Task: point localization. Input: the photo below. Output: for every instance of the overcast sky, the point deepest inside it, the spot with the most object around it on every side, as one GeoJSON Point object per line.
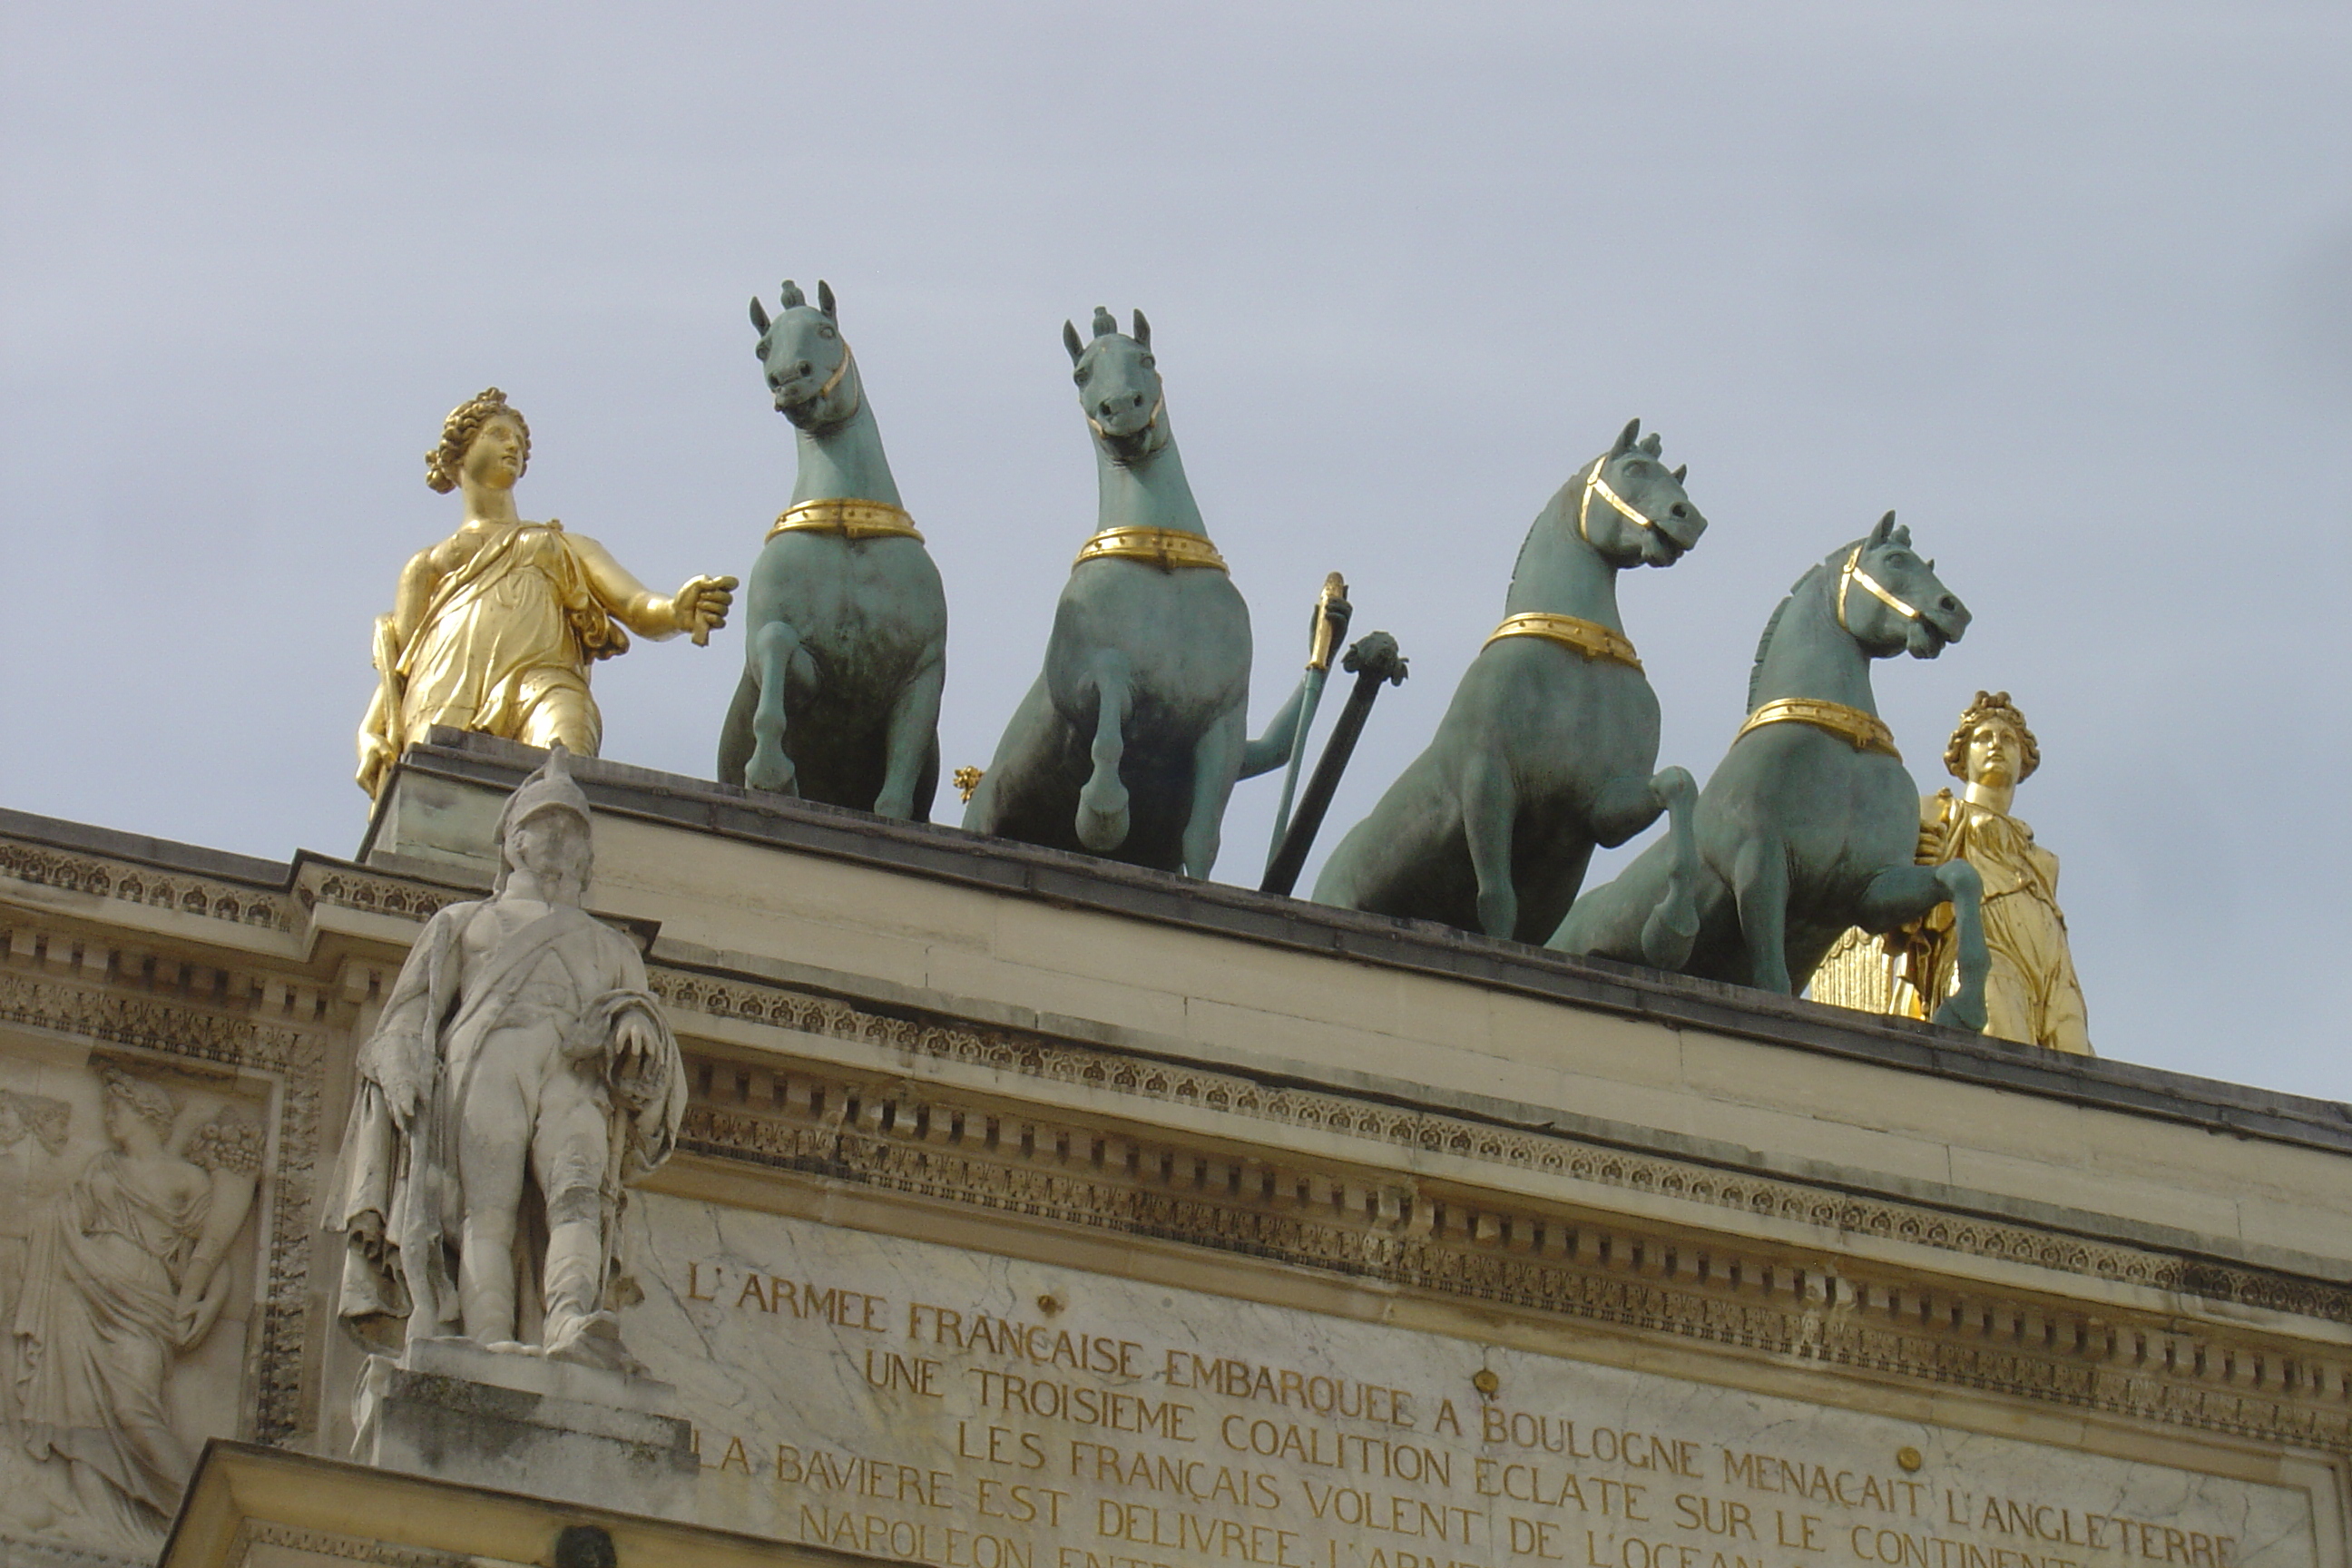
{"type": "Point", "coordinates": [2068, 286]}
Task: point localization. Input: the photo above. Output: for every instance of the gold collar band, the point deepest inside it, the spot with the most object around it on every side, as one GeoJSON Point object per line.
{"type": "Point", "coordinates": [1590, 639]}
{"type": "Point", "coordinates": [1864, 732]}
{"type": "Point", "coordinates": [853, 519]}
{"type": "Point", "coordinates": [1166, 548]}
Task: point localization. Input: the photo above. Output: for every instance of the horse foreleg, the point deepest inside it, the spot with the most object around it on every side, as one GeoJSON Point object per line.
{"type": "Point", "coordinates": [1627, 805]}
{"type": "Point", "coordinates": [769, 662]}
{"type": "Point", "coordinates": [1490, 809]}
{"type": "Point", "coordinates": [1760, 881]}
{"type": "Point", "coordinates": [1102, 803]}
{"type": "Point", "coordinates": [912, 731]}
{"type": "Point", "coordinates": [1902, 893]}
{"type": "Point", "coordinates": [1216, 762]}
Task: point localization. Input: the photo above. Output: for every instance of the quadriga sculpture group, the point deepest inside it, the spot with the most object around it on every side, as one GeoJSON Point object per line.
{"type": "Point", "coordinates": [1130, 741]}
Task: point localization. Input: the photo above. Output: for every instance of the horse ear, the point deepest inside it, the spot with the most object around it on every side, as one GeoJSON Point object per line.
{"type": "Point", "coordinates": [1682, 473]}
{"type": "Point", "coordinates": [1142, 331]}
{"type": "Point", "coordinates": [759, 315]}
{"type": "Point", "coordinates": [1886, 528]}
{"type": "Point", "coordinates": [1104, 322]}
{"type": "Point", "coordinates": [824, 299]}
{"type": "Point", "coordinates": [1653, 444]}
{"type": "Point", "coordinates": [1625, 438]}
{"type": "Point", "coordinates": [1070, 342]}
{"type": "Point", "coordinates": [791, 297]}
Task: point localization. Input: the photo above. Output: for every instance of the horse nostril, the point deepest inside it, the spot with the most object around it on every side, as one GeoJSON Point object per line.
{"type": "Point", "coordinates": [1948, 603]}
{"type": "Point", "coordinates": [1680, 510]}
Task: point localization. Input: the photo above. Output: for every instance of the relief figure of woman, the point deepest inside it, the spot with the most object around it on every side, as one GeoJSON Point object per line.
{"type": "Point", "coordinates": [123, 1277]}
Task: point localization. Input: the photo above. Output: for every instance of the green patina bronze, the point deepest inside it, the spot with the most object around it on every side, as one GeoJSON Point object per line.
{"type": "Point", "coordinates": [1804, 831]}
{"type": "Point", "coordinates": [1546, 750]}
{"type": "Point", "coordinates": [1129, 744]}
{"type": "Point", "coordinates": [845, 649]}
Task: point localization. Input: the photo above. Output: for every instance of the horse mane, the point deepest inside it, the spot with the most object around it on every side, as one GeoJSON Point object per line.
{"type": "Point", "coordinates": [1764, 642]}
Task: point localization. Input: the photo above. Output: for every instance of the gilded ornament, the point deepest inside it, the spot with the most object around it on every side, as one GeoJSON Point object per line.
{"type": "Point", "coordinates": [1166, 548]}
{"type": "Point", "coordinates": [494, 627]}
{"type": "Point", "coordinates": [1590, 639]}
{"type": "Point", "coordinates": [1864, 732]}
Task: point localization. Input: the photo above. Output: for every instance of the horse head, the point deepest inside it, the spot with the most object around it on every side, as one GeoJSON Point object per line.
{"type": "Point", "coordinates": [1632, 509]}
{"type": "Point", "coordinates": [811, 371]}
{"type": "Point", "coordinates": [1120, 387]}
{"type": "Point", "coordinates": [1888, 598]}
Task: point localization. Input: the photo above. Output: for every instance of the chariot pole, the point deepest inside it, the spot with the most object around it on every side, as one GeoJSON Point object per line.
{"type": "Point", "coordinates": [1331, 624]}
{"type": "Point", "coordinates": [1375, 662]}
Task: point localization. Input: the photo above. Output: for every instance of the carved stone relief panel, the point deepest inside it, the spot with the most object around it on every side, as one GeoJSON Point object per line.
{"type": "Point", "coordinates": [132, 1192]}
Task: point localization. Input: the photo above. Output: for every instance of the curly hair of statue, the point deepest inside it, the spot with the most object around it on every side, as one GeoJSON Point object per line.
{"type": "Point", "coordinates": [444, 462]}
{"type": "Point", "coordinates": [1990, 705]}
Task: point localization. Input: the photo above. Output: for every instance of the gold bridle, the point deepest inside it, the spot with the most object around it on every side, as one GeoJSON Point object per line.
{"type": "Point", "coordinates": [1852, 573]}
{"type": "Point", "coordinates": [1150, 419]}
{"type": "Point", "coordinates": [1595, 485]}
{"type": "Point", "coordinates": [1590, 639]}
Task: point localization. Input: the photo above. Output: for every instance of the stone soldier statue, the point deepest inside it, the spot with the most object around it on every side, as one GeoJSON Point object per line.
{"type": "Point", "coordinates": [520, 1076]}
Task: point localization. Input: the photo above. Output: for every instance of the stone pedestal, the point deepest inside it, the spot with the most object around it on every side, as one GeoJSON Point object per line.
{"type": "Point", "coordinates": [456, 1412]}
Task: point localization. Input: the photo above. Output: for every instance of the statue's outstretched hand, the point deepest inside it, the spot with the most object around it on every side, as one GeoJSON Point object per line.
{"type": "Point", "coordinates": [700, 607]}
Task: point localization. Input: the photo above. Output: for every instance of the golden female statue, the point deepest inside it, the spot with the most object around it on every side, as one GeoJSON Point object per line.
{"type": "Point", "coordinates": [494, 628]}
{"type": "Point", "coordinates": [2033, 994]}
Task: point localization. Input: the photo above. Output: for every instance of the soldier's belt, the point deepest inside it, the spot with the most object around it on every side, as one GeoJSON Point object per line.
{"type": "Point", "coordinates": [1590, 639]}
{"type": "Point", "coordinates": [1166, 548]}
{"type": "Point", "coordinates": [852, 519]}
{"type": "Point", "coordinates": [1864, 732]}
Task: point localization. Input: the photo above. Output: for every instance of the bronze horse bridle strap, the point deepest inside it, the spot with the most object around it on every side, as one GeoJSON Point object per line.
{"type": "Point", "coordinates": [852, 519]}
{"type": "Point", "coordinates": [1590, 639]}
{"type": "Point", "coordinates": [1595, 485]}
{"type": "Point", "coordinates": [1166, 548]}
{"type": "Point", "coordinates": [1852, 573]}
{"type": "Point", "coordinates": [1863, 731]}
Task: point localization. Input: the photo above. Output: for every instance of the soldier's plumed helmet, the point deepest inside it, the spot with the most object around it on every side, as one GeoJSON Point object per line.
{"type": "Point", "coordinates": [1990, 705]}
{"type": "Point", "coordinates": [548, 789]}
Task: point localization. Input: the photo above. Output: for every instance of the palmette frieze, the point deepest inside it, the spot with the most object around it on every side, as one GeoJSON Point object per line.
{"type": "Point", "coordinates": [1557, 1154]}
{"type": "Point", "coordinates": [105, 879]}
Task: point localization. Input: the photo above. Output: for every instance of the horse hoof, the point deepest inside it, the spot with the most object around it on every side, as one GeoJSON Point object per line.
{"type": "Point", "coordinates": [1667, 937]}
{"type": "Point", "coordinates": [774, 775]}
{"type": "Point", "coordinates": [1102, 831]}
{"type": "Point", "coordinates": [1952, 1014]}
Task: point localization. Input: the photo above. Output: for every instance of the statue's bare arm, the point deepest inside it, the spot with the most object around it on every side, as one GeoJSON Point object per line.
{"type": "Point", "coordinates": [699, 608]}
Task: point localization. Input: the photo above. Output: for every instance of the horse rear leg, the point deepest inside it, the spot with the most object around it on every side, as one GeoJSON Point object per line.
{"type": "Point", "coordinates": [1102, 803]}
{"type": "Point", "coordinates": [1760, 881]}
{"type": "Point", "coordinates": [911, 739]}
{"type": "Point", "coordinates": [1627, 805]}
{"type": "Point", "coordinates": [1490, 809]}
{"type": "Point", "coordinates": [1902, 893]}
{"type": "Point", "coordinates": [769, 662]}
{"type": "Point", "coordinates": [735, 735]}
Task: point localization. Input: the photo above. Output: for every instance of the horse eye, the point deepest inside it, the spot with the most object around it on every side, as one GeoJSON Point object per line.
{"type": "Point", "coordinates": [825, 332]}
{"type": "Point", "coordinates": [1148, 361]}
